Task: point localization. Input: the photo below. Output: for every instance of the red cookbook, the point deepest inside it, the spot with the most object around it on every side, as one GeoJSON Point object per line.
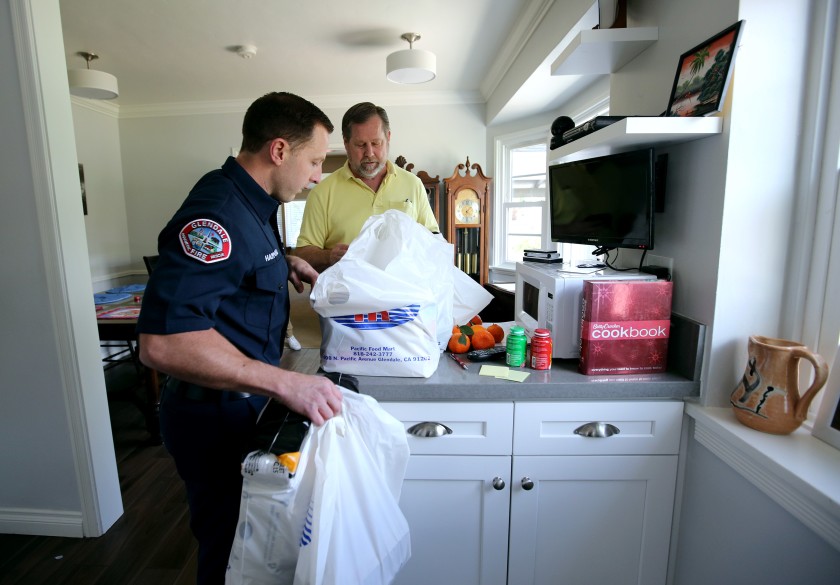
{"type": "Point", "coordinates": [625, 326]}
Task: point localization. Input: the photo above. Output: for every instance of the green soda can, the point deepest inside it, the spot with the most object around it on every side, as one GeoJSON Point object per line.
{"type": "Point", "coordinates": [515, 347]}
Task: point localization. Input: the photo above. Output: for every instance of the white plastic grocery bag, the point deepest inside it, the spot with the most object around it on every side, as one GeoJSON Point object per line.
{"type": "Point", "coordinates": [355, 531]}
{"type": "Point", "coordinates": [271, 516]}
{"type": "Point", "coordinates": [386, 306]}
{"type": "Point", "coordinates": [276, 493]}
{"type": "Point", "coordinates": [334, 520]}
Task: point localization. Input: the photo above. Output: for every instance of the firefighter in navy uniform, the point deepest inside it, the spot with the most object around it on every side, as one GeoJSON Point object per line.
{"type": "Point", "coordinates": [215, 311]}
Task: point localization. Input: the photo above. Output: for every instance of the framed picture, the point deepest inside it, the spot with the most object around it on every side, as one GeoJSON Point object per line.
{"type": "Point", "coordinates": [703, 75]}
{"type": "Point", "coordinates": [84, 192]}
{"type": "Point", "coordinates": [827, 424]}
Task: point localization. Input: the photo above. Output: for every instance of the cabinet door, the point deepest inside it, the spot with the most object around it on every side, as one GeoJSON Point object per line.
{"type": "Point", "coordinates": [458, 520]}
{"type": "Point", "coordinates": [595, 519]}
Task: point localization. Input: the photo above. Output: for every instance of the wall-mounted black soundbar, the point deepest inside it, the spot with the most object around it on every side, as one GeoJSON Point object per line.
{"type": "Point", "coordinates": [589, 127]}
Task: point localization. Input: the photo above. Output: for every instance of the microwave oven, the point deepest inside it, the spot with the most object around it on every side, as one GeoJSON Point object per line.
{"type": "Point", "coordinates": [548, 296]}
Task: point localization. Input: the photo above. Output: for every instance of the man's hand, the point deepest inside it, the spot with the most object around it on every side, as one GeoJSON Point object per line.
{"type": "Point", "coordinates": [337, 253]}
{"type": "Point", "coordinates": [301, 271]}
{"type": "Point", "coordinates": [321, 258]}
{"type": "Point", "coordinates": [208, 359]}
{"type": "Point", "coordinates": [315, 397]}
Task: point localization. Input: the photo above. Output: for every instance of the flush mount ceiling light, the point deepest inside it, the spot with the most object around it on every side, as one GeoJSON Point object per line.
{"type": "Point", "coordinates": [411, 66]}
{"type": "Point", "coordinates": [90, 83]}
{"type": "Point", "coordinates": [246, 51]}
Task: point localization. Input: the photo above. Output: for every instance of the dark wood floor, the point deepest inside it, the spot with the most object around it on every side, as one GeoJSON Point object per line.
{"type": "Point", "coordinates": [151, 543]}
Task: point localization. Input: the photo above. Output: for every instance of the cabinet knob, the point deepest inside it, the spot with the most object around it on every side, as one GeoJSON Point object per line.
{"type": "Point", "coordinates": [527, 483]}
{"type": "Point", "coordinates": [498, 483]}
{"type": "Point", "coordinates": [598, 430]}
{"type": "Point", "coordinates": [429, 429]}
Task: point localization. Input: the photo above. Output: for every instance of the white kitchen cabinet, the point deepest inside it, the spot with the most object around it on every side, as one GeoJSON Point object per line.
{"type": "Point", "coordinates": [514, 495]}
{"type": "Point", "coordinates": [594, 519]}
{"type": "Point", "coordinates": [593, 509]}
{"type": "Point", "coordinates": [458, 519]}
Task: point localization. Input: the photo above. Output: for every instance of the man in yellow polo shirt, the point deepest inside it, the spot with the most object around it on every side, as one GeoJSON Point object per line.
{"type": "Point", "coordinates": [368, 184]}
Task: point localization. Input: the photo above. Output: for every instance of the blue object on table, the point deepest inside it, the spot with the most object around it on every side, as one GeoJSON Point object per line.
{"type": "Point", "coordinates": [129, 288]}
{"type": "Point", "coordinates": [108, 298]}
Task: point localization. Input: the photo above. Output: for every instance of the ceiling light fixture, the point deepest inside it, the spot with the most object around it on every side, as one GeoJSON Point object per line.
{"type": "Point", "coordinates": [246, 51]}
{"type": "Point", "coordinates": [411, 66]}
{"type": "Point", "coordinates": [90, 83]}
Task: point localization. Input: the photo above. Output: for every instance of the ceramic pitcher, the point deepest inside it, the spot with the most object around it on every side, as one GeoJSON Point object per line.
{"type": "Point", "coordinates": [768, 398]}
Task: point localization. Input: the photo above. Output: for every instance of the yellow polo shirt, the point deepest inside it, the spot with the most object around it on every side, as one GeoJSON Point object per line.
{"type": "Point", "coordinates": [337, 208]}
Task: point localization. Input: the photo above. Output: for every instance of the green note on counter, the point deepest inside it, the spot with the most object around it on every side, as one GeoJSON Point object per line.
{"type": "Point", "coordinates": [503, 372]}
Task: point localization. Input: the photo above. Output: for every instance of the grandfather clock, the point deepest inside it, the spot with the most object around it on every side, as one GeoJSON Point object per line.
{"type": "Point", "coordinates": [430, 184]}
{"type": "Point", "coordinates": [468, 201]}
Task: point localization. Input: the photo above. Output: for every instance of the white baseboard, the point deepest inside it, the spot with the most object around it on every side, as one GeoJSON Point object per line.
{"type": "Point", "coordinates": [41, 522]}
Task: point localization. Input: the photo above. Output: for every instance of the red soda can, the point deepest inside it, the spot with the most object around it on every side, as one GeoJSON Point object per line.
{"type": "Point", "coordinates": [541, 350]}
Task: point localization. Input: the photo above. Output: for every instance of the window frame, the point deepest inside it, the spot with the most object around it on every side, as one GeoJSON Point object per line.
{"type": "Point", "coordinates": [811, 313]}
{"type": "Point", "coordinates": [504, 145]}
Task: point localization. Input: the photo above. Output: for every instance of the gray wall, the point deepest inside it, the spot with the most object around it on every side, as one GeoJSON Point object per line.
{"type": "Point", "coordinates": [734, 533]}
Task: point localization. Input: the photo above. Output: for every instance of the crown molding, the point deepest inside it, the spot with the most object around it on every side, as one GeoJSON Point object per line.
{"type": "Point", "coordinates": [100, 106]}
{"type": "Point", "coordinates": [410, 98]}
{"type": "Point", "coordinates": [513, 45]}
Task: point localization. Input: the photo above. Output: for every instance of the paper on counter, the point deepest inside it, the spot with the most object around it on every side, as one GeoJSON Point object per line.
{"type": "Point", "coordinates": [517, 375]}
{"type": "Point", "coordinates": [503, 372]}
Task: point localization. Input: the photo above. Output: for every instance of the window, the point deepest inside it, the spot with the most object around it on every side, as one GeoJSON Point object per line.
{"type": "Point", "coordinates": [521, 210]}
{"type": "Point", "coordinates": [812, 312]}
{"type": "Point", "coordinates": [521, 207]}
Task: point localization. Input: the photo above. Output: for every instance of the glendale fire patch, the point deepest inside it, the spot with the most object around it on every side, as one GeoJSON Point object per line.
{"type": "Point", "coordinates": [205, 240]}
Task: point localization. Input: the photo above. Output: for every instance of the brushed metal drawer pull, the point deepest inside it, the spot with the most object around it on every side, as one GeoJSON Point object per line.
{"type": "Point", "coordinates": [429, 429]}
{"type": "Point", "coordinates": [527, 483]}
{"type": "Point", "coordinates": [598, 430]}
{"type": "Point", "coordinates": [498, 483]}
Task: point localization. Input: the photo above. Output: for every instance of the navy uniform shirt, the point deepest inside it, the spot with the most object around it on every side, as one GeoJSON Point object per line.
{"type": "Point", "coordinates": [221, 267]}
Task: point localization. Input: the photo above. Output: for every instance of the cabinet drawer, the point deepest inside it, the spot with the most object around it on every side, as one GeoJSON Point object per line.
{"type": "Point", "coordinates": [643, 428]}
{"type": "Point", "coordinates": [478, 428]}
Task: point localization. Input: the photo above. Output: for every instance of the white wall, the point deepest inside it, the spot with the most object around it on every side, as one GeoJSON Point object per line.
{"type": "Point", "coordinates": [57, 456]}
{"type": "Point", "coordinates": [164, 155]}
{"type": "Point", "coordinates": [98, 150]}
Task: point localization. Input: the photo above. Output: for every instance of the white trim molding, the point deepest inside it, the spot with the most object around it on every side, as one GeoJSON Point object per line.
{"type": "Point", "coordinates": [66, 524]}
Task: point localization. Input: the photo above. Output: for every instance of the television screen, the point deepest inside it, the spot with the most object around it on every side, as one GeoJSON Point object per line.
{"type": "Point", "coordinates": [605, 201]}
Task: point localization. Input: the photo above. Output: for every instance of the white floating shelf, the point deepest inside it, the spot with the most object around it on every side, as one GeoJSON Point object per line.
{"type": "Point", "coordinates": [597, 51]}
{"type": "Point", "coordinates": [639, 132]}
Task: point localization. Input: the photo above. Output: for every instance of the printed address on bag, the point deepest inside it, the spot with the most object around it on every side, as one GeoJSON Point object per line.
{"type": "Point", "coordinates": [364, 353]}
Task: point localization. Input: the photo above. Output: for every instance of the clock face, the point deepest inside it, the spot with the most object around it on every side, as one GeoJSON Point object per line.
{"type": "Point", "coordinates": [467, 211]}
{"type": "Point", "coordinates": [467, 207]}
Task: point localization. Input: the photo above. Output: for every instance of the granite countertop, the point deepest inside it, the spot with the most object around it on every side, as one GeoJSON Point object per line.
{"type": "Point", "coordinates": [452, 383]}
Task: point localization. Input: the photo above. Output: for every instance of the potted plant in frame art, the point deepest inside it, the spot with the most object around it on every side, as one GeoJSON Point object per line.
{"type": "Point", "coordinates": [703, 75]}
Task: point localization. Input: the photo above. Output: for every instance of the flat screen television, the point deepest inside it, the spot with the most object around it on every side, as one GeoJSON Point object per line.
{"type": "Point", "coordinates": [607, 201]}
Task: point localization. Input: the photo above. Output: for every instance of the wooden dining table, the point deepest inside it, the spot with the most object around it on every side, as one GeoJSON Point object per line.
{"type": "Point", "coordinates": [118, 322]}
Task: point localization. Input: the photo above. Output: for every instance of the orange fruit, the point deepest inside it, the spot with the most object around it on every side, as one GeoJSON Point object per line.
{"type": "Point", "coordinates": [456, 329]}
{"type": "Point", "coordinates": [475, 320]}
{"type": "Point", "coordinates": [497, 332]}
{"type": "Point", "coordinates": [483, 339]}
{"type": "Point", "coordinates": [459, 343]}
